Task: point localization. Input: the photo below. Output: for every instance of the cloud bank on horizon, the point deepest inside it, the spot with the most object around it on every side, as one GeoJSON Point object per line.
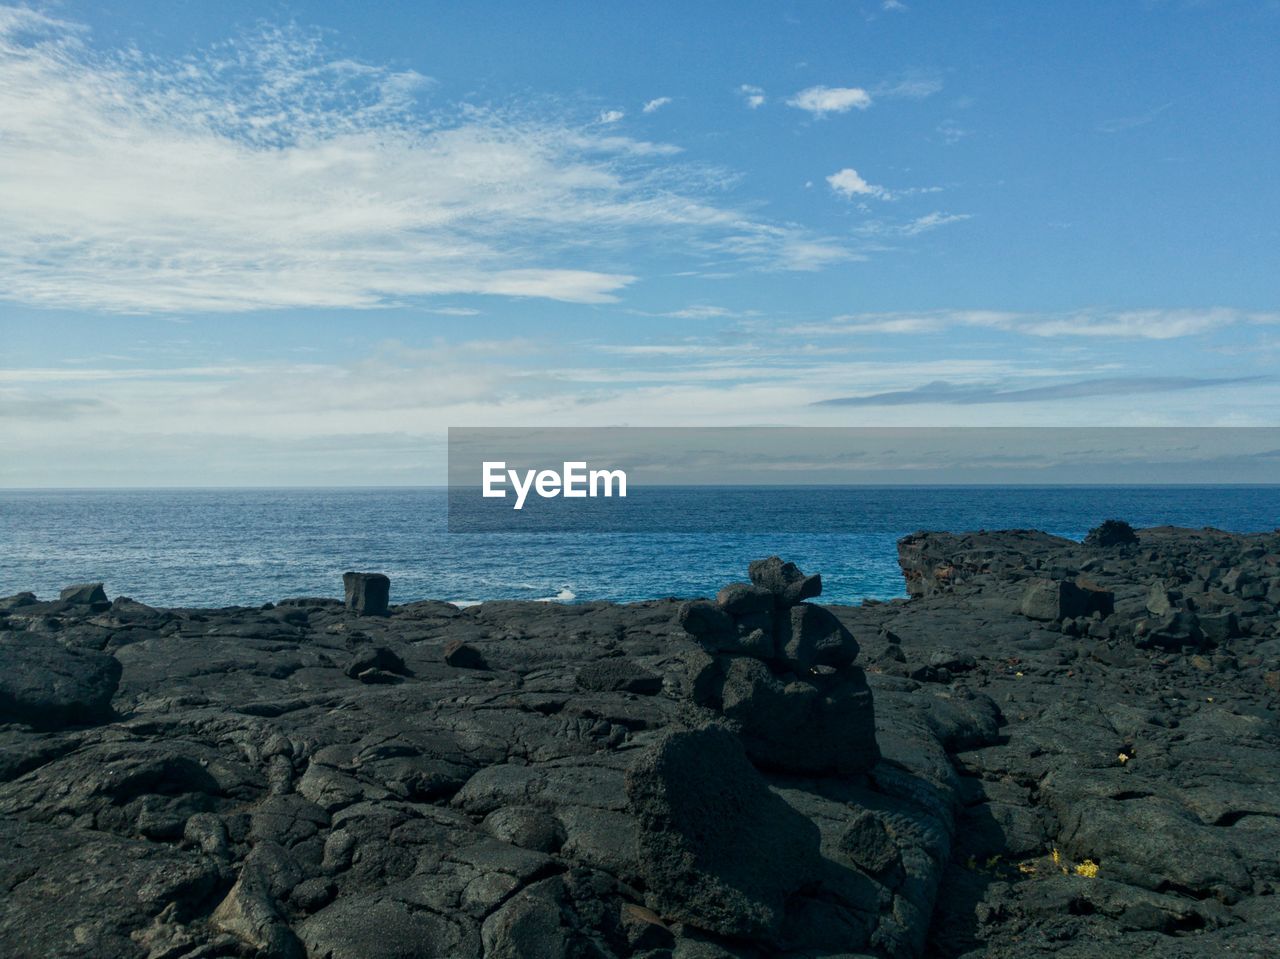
{"type": "Point", "coordinates": [232, 247]}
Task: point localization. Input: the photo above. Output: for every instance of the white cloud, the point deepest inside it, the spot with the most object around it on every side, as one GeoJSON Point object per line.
{"type": "Point", "coordinates": [823, 100]}
{"type": "Point", "coordinates": [700, 312]}
{"type": "Point", "coordinates": [656, 104]}
{"type": "Point", "coordinates": [1150, 324]}
{"type": "Point", "coordinates": [931, 221]}
{"type": "Point", "coordinates": [611, 116]}
{"type": "Point", "coordinates": [848, 183]}
{"type": "Point", "coordinates": [753, 95]}
{"type": "Point", "coordinates": [267, 173]}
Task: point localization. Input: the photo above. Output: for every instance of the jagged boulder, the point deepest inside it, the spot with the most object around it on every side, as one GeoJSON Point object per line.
{"type": "Point", "coordinates": [810, 636]}
{"type": "Point", "coordinates": [784, 580]}
{"type": "Point", "coordinates": [1110, 533]}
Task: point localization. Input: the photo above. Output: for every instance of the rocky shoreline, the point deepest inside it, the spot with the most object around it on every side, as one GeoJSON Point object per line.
{"type": "Point", "coordinates": [1051, 748]}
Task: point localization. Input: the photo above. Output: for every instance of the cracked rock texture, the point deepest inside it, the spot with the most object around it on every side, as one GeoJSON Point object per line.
{"type": "Point", "coordinates": [1050, 749]}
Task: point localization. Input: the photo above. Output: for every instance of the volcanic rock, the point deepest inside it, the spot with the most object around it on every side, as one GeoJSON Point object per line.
{"type": "Point", "coordinates": [462, 655]}
{"type": "Point", "coordinates": [784, 580]}
{"type": "Point", "coordinates": [85, 594]}
{"type": "Point", "coordinates": [1111, 533]}
{"type": "Point", "coordinates": [367, 593]}
{"type": "Point", "coordinates": [1056, 600]}
{"type": "Point", "coordinates": [47, 685]}
{"type": "Point", "coordinates": [718, 850]}
{"type": "Point", "coordinates": [190, 783]}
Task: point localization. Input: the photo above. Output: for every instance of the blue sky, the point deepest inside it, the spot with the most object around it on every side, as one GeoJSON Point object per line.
{"type": "Point", "coordinates": [292, 243]}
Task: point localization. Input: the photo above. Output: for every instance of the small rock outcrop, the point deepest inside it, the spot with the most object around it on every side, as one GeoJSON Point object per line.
{"type": "Point", "coordinates": [86, 594]}
{"type": "Point", "coordinates": [1109, 533]}
{"type": "Point", "coordinates": [367, 594]}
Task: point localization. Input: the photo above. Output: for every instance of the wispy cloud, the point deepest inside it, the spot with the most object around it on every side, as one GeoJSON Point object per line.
{"type": "Point", "coordinates": [753, 95]}
{"type": "Point", "coordinates": [916, 87]}
{"type": "Point", "coordinates": [823, 100]}
{"type": "Point", "coordinates": [611, 116]}
{"type": "Point", "coordinates": [656, 104]}
{"type": "Point", "coordinates": [268, 173]}
{"type": "Point", "coordinates": [1151, 324]}
{"type": "Point", "coordinates": [701, 312]}
{"type": "Point", "coordinates": [292, 422]}
{"type": "Point", "coordinates": [1120, 124]}
{"type": "Point", "coordinates": [941, 391]}
{"type": "Point", "coordinates": [952, 133]}
{"type": "Point", "coordinates": [931, 221]}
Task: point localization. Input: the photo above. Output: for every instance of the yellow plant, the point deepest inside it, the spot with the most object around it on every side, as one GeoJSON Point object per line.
{"type": "Point", "coordinates": [1088, 869]}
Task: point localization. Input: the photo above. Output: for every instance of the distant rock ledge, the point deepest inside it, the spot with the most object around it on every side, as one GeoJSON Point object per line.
{"type": "Point", "coordinates": [1052, 747]}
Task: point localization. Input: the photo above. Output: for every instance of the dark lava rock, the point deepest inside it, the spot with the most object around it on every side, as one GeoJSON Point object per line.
{"type": "Point", "coordinates": [1109, 533]}
{"type": "Point", "coordinates": [1093, 785]}
{"type": "Point", "coordinates": [367, 593]}
{"type": "Point", "coordinates": [868, 843]}
{"type": "Point", "coordinates": [810, 636]}
{"type": "Point", "coordinates": [784, 580]}
{"type": "Point", "coordinates": [48, 685]}
{"type": "Point", "coordinates": [17, 601]}
{"type": "Point", "coordinates": [1056, 600]}
{"type": "Point", "coordinates": [619, 675]}
{"type": "Point", "coordinates": [527, 827]}
{"type": "Point", "coordinates": [87, 894]}
{"type": "Point", "coordinates": [718, 850]}
{"type": "Point", "coordinates": [709, 624]}
{"type": "Point", "coordinates": [462, 655]}
{"type": "Point", "coordinates": [801, 726]}
{"type": "Point", "coordinates": [379, 658]}
{"type": "Point", "coordinates": [85, 594]}
{"type": "Point", "coordinates": [745, 599]}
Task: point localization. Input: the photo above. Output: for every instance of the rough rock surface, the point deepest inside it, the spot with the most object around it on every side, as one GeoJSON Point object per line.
{"type": "Point", "coordinates": [728, 778]}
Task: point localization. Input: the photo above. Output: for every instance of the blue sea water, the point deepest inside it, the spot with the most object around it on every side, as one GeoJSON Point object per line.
{"type": "Point", "coordinates": [216, 547]}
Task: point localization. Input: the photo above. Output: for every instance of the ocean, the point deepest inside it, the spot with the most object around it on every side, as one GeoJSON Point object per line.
{"type": "Point", "coordinates": [220, 547]}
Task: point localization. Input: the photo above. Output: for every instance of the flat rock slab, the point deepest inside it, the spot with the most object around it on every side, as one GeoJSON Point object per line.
{"type": "Point", "coordinates": [47, 685]}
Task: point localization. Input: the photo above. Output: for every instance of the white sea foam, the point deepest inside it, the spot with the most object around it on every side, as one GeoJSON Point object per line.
{"type": "Point", "coordinates": [565, 595]}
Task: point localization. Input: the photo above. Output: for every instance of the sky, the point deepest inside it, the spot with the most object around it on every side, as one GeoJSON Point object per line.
{"type": "Point", "coordinates": [292, 243]}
